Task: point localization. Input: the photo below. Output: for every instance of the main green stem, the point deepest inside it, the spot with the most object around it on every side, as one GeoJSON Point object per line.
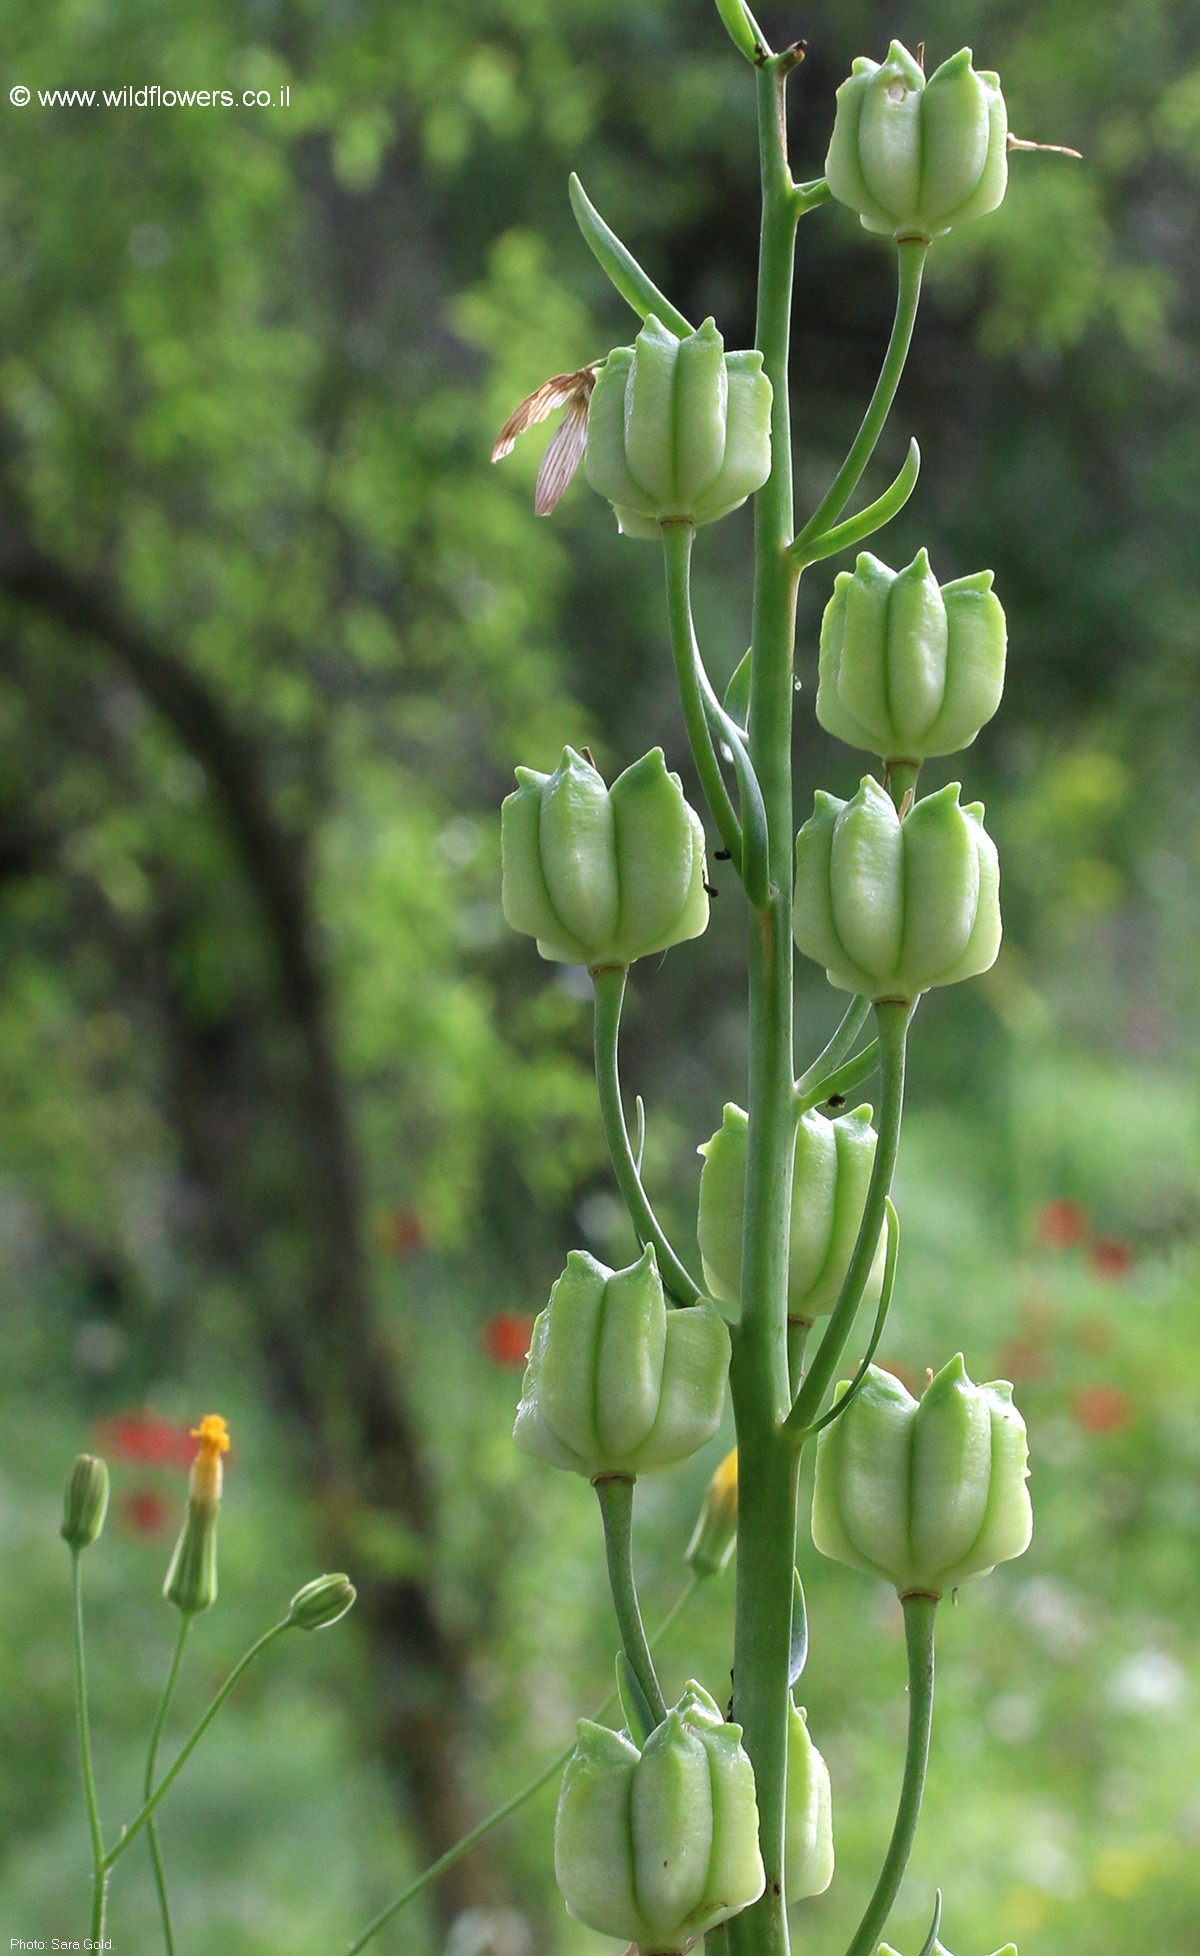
{"type": "Point", "coordinates": [156, 1860]}
{"type": "Point", "coordinates": [608, 982]}
{"type": "Point", "coordinates": [759, 1377]}
{"type": "Point", "coordinates": [919, 1615]}
{"type": "Point", "coordinates": [189, 1746]}
{"type": "Point", "coordinates": [615, 1495]}
{"type": "Point", "coordinates": [510, 1806]}
{"type": "Point", "coordinates": [99, 1870]}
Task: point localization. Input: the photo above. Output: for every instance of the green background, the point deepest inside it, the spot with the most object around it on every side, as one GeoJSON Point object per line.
{"type": "Point", "coordinates": [289, 1123]}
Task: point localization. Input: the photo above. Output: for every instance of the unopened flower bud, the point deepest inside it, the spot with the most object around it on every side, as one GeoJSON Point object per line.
{"type": "Point", "coordinates": [925, 1493]}
{"type": "Point", "coordinates": [85, 1502]}
{"type": "Point", "coordinates": [715, 1532]}
{"type": "Point", "coordinates": [914, 157]}
{"type": "Point", "coordinates": [660, 1845]}
{"type": "Point", "coordinates": [910, 668]}
{"type": "Point", "coordinates": [191, 1582]}
{"type": "Point", "coordinates": [321, 1602]}
{"type": "Point", "coordinates": [601, 876]}
{"type": "Point", "coordinates": [679, 431]}
{"type": "Point", "coordinates": [808, 1815]}
{"type": "Point", "coordinates": [890, 907]}
{"type": "Point", "coordinates": [832, 1168]}
{"type": "Point", "coordinates": [616, 1382]}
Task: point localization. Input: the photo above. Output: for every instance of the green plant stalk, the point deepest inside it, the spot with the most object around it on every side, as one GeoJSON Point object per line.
{"type": "Point", "coordinates": [892, 1017]}
{"type": "Point", "coordinates": [608, 983]}
{"type": "Point", "coordinates": [911, 254]}
{"type": "Point", "coordinates": [615, 1495]}
{"type": "Point", "coordinates": [759, 1371]}
{"type": "Point", "coordinates": [839, 1047]}
{"type": "Point", "coordinates": [677, 550]}
{"type": "Point", "coordinates": [919, 1616]}
{"type": "Point", "coordinates": [842, 1081]}
{"type": "Point", "coordinates": [516, 1800]}
{"type": "Point", "coordinates": [99, 1870]}
{"type": "Point", "coordinates": [160, 1874]}
{"type": "Point", "coordinates": [135, 1826]}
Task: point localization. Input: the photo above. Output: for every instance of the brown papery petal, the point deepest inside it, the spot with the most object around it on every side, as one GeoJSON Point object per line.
{"type": "Point", "coordinates": [553, 393]}
{"type": "Point", "coordinates": [562, 457]}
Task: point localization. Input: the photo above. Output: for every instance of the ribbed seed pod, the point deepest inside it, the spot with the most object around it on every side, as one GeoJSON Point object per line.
{"type": "Point", "coordinates": [601, 876]}
{"type": "Point", "coordinates": [616, 1382]}
{"type": "Point", "coordinates": [914, 157]}
{"type": "Point", "coordinates": [679, 431]}
{"type": "Point", "coordinates": [910, 668]}
{"type": "Point", "coordinates": [660, 1845]}
{"type": "Point", "coordinates": [893, 908]}
{"type": "Point", "coordinates": [832, 1167]}
{"type": "Point", "coordinates": [928, 1493]}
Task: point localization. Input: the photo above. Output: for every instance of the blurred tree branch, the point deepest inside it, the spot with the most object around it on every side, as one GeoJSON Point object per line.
{"type": "Point", "coordinates": [340, 1385]}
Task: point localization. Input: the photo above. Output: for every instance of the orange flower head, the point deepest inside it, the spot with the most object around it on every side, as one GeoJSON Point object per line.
{"type": "Point", "coordinates": [204, 1481]}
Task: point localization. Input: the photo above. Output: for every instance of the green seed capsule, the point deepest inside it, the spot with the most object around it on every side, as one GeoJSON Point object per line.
{"type": "Point", "coordinates": [321, 1602]}
{"type": "Point", "coordinates": [925, 1493]}
{"type": "Point", "coordinates": [893, 908]}
{"type": "Point", "coordinates": [601, 876]}
{"type": "Point", "coordinates": [85, 1502]}
{"type": "Point", "coordinates": [679, 431]}
{"type": "Point", "coordinates": [910, 668]}
{"type": "Point", "coordinates": [832, 1168]}
{"type": "Point", "coordinates": [808, 1816]}
{"type": "Point", "coordinates": [616, 1382]}
{"type": "Point", "coordinates": [658, 1846]}
{"type": "Point", "coordinates": [914, 157]}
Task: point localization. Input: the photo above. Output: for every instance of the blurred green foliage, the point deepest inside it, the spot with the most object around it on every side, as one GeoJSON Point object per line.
{"type": "Point", "coordinates": [272, 633]}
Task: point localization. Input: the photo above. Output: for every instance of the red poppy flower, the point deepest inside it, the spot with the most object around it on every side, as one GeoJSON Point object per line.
{"type": "Point", "coordinates": [147, 1439]}
{"type": "Point", "coordinates": [1022, 1359]}
{"type": "Point", "coordinates": [505, 1337]}
{"type": "Point", "coordinates": [398, 1232]}
{"type": "Point", "coordinates": [146, 1512]}
{"type": "Point", "coordinates": [1111, 1258]}
{"type": "Point", "coordinates": [1061, 1225]}
{"type": "Point", "coordinates": [1102, 1408]}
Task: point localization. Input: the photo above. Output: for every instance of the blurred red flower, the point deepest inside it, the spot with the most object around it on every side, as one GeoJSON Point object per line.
{"type": "Point", "coordinates": [146, 1512]}
{"type": "Point", "coordinates": [1102, 1408]}
{"type": "Point", "coordinates": [505, 1337]}
{"type": "Point", "coordinates": [1061, 1225]}
{"type": "Point", "coordinates": [1022, 1359]}
{"type": "Point", "coordinates": [146, 1438]}
{"type": "Point", "coordinates": [398, 1232]}
{"type": "Point", "coordinates": [1111, 1258]}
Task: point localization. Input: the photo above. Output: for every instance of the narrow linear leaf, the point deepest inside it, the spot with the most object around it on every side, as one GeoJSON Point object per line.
{"type": "Point", "coordinates": [639, 1719]}
{"type": "Point", "coordinates": [622, 267]}
{"type": "Point", "coordinates": [743, 30]}
{"type": "Point", "coordinates": [856, 529]}
{"type": "Point", "coordinates": [799, 1651]}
